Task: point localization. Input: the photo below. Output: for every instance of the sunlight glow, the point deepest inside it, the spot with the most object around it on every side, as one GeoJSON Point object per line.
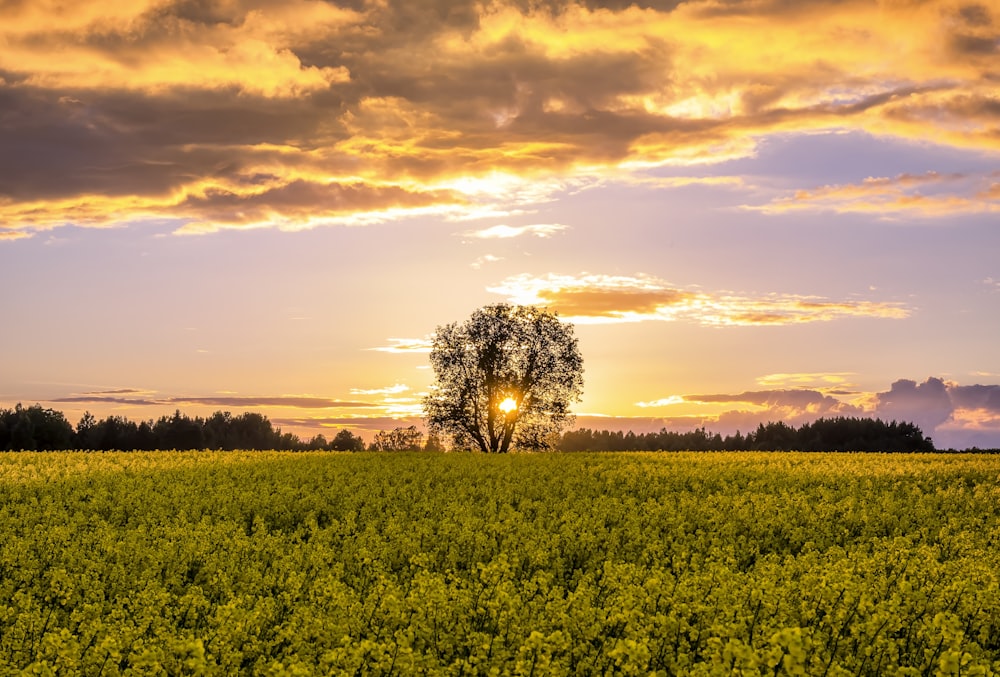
{"type": "Point", "coordinates": [508, 405]}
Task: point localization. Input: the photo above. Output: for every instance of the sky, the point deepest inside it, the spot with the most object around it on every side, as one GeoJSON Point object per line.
{"type": "Point", "coordinates": [750, 210]}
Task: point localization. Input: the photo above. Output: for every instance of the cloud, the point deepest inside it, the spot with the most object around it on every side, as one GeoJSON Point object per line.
{"type": "Point", "coordinates": [683, 181]}
{"type": "Point", "coordinates": [662, 402]}
{"type": "Point", "coordinates": [303, 113]}
{"type": "Point", "coordinates": [483, 260]}
{"type": "Point", "coordinates": [954, 415]}
{"type": "Point", "coordinates": [609, 299]}
{"type": "Point", "coordinates": [108, 399]}
{"type": "Point", "coordinates": [976, 397]}
{"type": "Point", "coordinates": [390, 390]}
{"type": "Point", "coordinates": [290, 401]}
{"type": "Point", "coordinates": [504, 232]}
{"type": "Point", "coordinates": [802, 399]}
{"type": "Point", "coordinates": [280, 401]}
{"type": "Point", "coordinates": [158, 47]}
{"type": "Point", "coordinates": [120, 391]}
{"type": "Point", "coordinates": [927, 404]}
{"type": "Point", "coordinates": [13, 234]}
{"type": "Point", "coordinates": [926, 195]}
{"type": "Point", "coordinates": [406, 345]}
{"type": "Point", "coordinates": [820, 380]}
{"type": "Point", "coordinates": [293, 206]}
{"type": "Point", "coordinates": [795, 407]}
{"type": "Point", "coordinates": [368, 423]}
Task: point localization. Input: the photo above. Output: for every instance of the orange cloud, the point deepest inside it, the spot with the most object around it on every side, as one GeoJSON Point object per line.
{"type": "Point", "coordinates": [166, 109]}
{"type": "Point", "coordinates": [609, 299]}
{"type": "Point", "coordinates": [159, 47]}
{"type": "Point", "coordinates": [832, 382]}
{"type": "Point", "coordinates": [950, 194]}
{"type": "Point", "coordinates": [13, 234]}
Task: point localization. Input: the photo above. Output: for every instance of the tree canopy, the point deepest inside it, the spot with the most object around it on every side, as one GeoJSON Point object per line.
{"type": "Point", "coordinates": [824, 434]}
{"type": "Point", "coordinates": [505, 377]}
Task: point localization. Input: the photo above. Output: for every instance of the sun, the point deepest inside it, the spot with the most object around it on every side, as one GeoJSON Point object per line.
{"type": "Point", "coordinates": [508, 405]}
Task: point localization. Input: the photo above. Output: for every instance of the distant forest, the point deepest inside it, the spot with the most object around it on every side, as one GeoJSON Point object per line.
{"type": "Point", "coordinates": [825, 434]}
{"type": "Point", "coordinates": [38, 428]}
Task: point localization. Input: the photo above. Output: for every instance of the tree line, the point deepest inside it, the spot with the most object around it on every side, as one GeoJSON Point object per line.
{"type": "Point", "coordinates": [37, 428]}
{"type": "Point", "coordinates": [824, 434]}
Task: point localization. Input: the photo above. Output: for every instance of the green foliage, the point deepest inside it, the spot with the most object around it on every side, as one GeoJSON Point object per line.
{"type": "Point", "coordinates": [445, 564]}
{"type": "Point", "coordinates": [521, 356]}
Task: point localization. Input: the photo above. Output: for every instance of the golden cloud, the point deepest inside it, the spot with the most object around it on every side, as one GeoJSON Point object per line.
{"type": "Point", "coordinates": [13, 234]}
{"type": "Point", "coordinates": [159, 47]}
{"type": "Point", "coordinates": [823, 381]}
{"type": "Point", "coordinates": [173, 109]}
{"type": "Point", "coordinates": [242, 202]}
{"type": "Point", "coordinates": [598, 299]}
{"type": "Point", "coordinates": [904, 194]}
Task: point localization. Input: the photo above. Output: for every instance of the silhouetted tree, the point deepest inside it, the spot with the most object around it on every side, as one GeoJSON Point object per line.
{"type": "Point", "coordinates": [34, 428]}
{"type": "Point", "coordinates": [345, 440]}
{"type": "Point", "coordinates": [114, 432]}
{"type": "Point", "coordinates": [251, 430]}
{"type": "Point", "coordinates": [773, 436]}
{"type": "Point", "coordinates": [145, 438]}
{"type": "Point", "coordinates": [179, 432]}
{"type": "Point", "coordinates": [85, 437]}
{"type": "Point", "coordinates": [399, 439]}
{"type": "Point", "coordinates": [433, 443]}
{"type": "Point", "coordinates": [506, 376]}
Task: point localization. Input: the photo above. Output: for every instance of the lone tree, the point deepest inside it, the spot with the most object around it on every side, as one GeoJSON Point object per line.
{"type": "Point", "coordinates": [507, 375]}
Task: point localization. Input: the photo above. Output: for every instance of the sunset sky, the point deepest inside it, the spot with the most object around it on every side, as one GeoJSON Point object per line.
{"type": "Point", "coordinates": [752, 210]}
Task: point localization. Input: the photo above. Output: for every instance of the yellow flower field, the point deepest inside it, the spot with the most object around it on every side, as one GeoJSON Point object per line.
{"type": "Point", "coordinates": [457, 564]}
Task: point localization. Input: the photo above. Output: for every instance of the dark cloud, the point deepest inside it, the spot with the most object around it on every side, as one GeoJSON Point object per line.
{"type": "Point", "coordinates": [118, 391]}
{"type": "Point", "coordinates": [304, 199]}
{"type": "Point", "coordinates": [58, 144]}
{"type": "Point", "coordinates": [107, 399]}
{"type": "Point", "coordinates": [927, 404]}
{"type": "Point", "coordinates": [281, 401]}
{"type": "Point", "coordinates": [975, 15]}
{"type": "Point", "coordinates": [975, 45]}
{"type": "Point", "coordinates": [207, 12]}
{"type": "Point", "coordinates": [169, 108]}
{"type": "Point", "coordinates": [785, 398]}
{"type": "Point", "coordinates": [976, 397]}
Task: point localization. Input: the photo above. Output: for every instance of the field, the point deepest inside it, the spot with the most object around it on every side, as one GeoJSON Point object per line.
{"type": "Point", "coordinates": [674, 564]}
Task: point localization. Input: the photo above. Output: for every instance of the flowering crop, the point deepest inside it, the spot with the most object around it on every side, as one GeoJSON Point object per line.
{"type": "Point", "coordinates": [673, 564]}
